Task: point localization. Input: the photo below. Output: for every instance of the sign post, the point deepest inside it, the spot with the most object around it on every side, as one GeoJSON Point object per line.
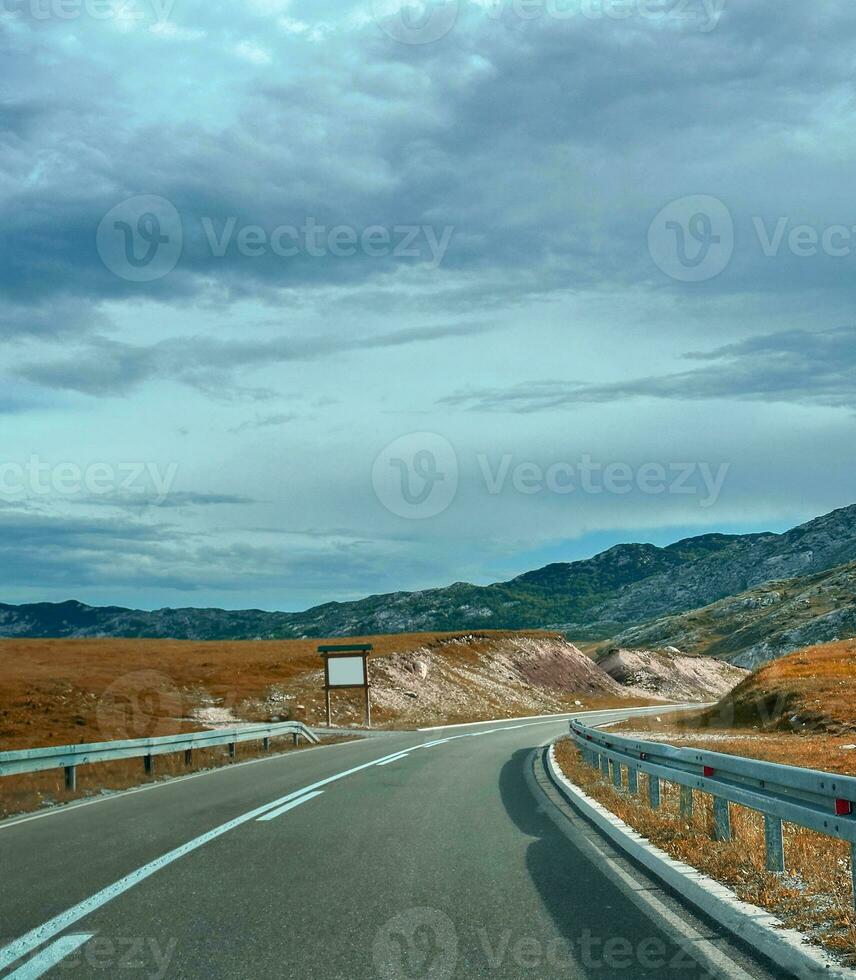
{"type": "Point", "coordinates": [345, 668]}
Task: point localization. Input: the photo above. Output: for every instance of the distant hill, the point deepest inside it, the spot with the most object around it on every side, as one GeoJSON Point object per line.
{"type": "Point", "coordinates": [761, 624]}
{"type": "Point", "coordinates": [625, 587]}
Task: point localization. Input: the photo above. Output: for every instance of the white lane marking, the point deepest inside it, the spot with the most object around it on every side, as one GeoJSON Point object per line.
{"type": "Point", "coordinates": [607, 857]}
{"type": "Point", "coordinates": [273, 814]}
{"type": "Point", "coordinates": [652, 709]}
{"type": "Point", "coordinates": [497, 721]}
{"type": "Point", "coordinates": [395, 758]}
{"type": "Point", "coordinates": [36, 937]}
{"type": "Point", "coordinates": [15, 950]}
{"type": "Point", "coordinates": [55, 953]}
{"type": "Point", "coordinates": [10, 822]}
{"type": "Point", "coordinates": [170, 781]}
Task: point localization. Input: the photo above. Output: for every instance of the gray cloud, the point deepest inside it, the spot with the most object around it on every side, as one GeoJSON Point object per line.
{"type": "Point", "coordinates": [795, 366]}
{"type": "Point", "coordinates": [110, 367]}
{"type": "Point", "coordinates": [173, 499]}
{"type": "Point", "coordinates": [265, 422]}
{"type": "Point", "coordinates": [459, 133]}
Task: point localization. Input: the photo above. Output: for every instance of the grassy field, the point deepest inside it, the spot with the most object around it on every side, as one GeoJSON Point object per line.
{"type": "Point", "coordinates": [799, 711]}
{"type": "Point", "coordinates": [56, 692]}
{"type": "Point", "coordinates": [61, 692]}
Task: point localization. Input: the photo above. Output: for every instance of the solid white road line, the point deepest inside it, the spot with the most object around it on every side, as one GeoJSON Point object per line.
{"type": "Point", "coordinates": [49, 957]}
{"type": "Point", "coordinates": [273, 814]}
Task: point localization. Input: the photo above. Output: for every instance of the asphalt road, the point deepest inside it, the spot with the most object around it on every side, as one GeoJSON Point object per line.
{"type": "Point", "coordinates": [447, 861]}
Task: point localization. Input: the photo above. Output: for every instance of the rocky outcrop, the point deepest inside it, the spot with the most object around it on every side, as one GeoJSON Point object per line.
{"type": "Point", "coordinates": [469, 676]}
{"type": "Point", "coordinates": [668, 673]}
{"type": "Point", "coordinates": [762, 624]}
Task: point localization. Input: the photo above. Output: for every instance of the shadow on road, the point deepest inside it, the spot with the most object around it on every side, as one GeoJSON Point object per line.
{"type": "Point", "coordinates": [605, 933]}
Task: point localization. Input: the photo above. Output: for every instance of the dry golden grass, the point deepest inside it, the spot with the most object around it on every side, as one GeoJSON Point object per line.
{"type": "Point", "coordinates": [815, 896]}
{"type": "Point", "coordinates": [58, 692]}
{"type": "Point", "coordinates": [67, 691]}
{"type": "Point", "coordinates": [798, 711]}
{"type": "Point", "coordinates": [813, 689]}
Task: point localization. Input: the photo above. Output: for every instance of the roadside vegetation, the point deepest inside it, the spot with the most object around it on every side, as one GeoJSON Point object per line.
{"type": "Point", "coordinates": [71, 691]}
{"type": "Point", "coordinates": [815, 894]}
{"type": "Point", "coordinates": [801, 711]}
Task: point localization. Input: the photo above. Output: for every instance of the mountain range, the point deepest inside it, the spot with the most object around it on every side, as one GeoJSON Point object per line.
{"type": "Point", "coordinates": [631, 594]}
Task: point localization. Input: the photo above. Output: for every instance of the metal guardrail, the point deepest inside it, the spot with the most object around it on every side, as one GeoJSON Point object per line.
{"type": "Point", "coordinates": [69, 757]}
{"type": "Point", "coordinates": [820, 801]}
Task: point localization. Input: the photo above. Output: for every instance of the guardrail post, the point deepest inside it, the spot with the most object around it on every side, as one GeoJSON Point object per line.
{"type": "Point", "coordinates": [853, 869]}
{"type": "Point", "coordinates": [653, 791]}
{"type": "Point", "coordinates": [71, 777]}
{"type": "Point", "coordinates": [604, 766]}
{"type": "Point", "coordinates": [774, 844]}
{"type": "Point", "coordinates": [149, 764]}
{"type": "Point", "coordinates": [296, 739]}
{"type": "Point", "coordinates": [266, 744]}
{"type": "Point", "coordinates": [686, 802]}
{"type": "Point", "coordinates": [721, 819]}
{"type": "Point", "coordinates": [616, 774]}
{"type": "Point", "coordinates": [188, 757]}
{"type": "Point", "coordinates": [633, 779]}
{"type": "Point", "coordinates": [232, 750]}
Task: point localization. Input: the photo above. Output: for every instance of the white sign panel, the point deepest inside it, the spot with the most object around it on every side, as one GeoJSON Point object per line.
{"type": "Point", "coordinates": [345, 672]}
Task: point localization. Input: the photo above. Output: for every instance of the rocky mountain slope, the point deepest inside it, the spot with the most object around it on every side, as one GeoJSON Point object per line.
{"type": "Point", "coordinates": [668, 673]}
{"type": "Point", "coordinates": [762, 623]}
{"type": "Point", "coordinates": [624, 587]}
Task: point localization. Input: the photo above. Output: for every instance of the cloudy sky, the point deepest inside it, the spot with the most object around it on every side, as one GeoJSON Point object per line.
{"type": "Point", "coordinates": [309, 299]}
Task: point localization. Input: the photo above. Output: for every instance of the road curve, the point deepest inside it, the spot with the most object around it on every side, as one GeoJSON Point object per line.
{"type": "Point", "coordinates": [420, 856]}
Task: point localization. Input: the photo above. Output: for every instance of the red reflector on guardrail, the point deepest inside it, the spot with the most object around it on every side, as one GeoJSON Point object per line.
{"type": "Point", "coordinates": [708, 770]}
{"type": "Point", "coordinates": [843, 808]}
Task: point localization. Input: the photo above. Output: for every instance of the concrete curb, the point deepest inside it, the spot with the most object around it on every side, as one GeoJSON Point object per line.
{"type": "Point", "coordinates": [761, 930]}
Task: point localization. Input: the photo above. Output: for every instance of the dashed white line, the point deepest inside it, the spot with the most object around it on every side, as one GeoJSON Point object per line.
{"type": "Point", "coordinates": [394, 758]}
{"type": "Point", "coordinates": [53, 927]}
{"type": "Point", "coordinates": [273, 814]}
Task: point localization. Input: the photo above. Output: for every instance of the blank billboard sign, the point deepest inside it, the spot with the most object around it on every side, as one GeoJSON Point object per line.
{"type": "Point", "coordinates": [346, 671]}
